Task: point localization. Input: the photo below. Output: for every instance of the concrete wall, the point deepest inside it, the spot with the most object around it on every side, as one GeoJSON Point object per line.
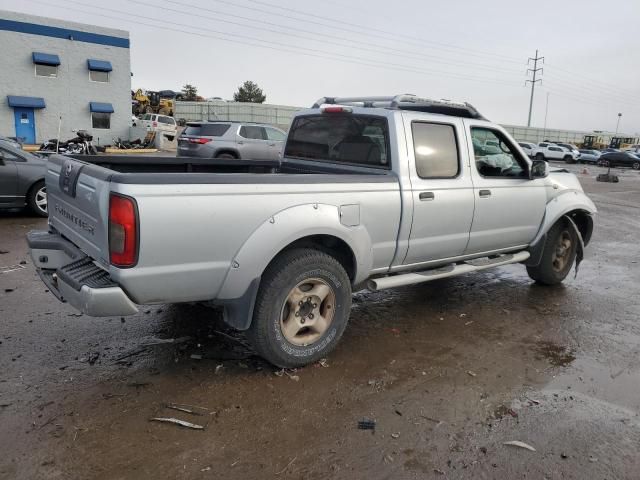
{"type": "Point", "coordinates": [279, 115]}
{"type": "Point", "coordinates": [68, 95]}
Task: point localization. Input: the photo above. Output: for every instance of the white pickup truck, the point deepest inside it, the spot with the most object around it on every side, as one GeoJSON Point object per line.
{"type": "Point", "coordinates": [552, 151]}
{"type": "Point", "coordinates": [370, 193]}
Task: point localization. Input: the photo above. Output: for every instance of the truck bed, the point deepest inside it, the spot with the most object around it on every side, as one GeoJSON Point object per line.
{"type": "Point", "coordinates": [173, 170]}
{"type": "Point", "coordinates": [196, 216]}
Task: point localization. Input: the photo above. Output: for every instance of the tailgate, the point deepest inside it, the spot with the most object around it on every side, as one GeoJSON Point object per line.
{"type": "Point", "coordinates": [78, 199]}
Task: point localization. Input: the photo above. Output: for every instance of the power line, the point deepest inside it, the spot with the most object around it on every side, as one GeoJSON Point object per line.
{"type": "Point", "coordinates": [395, 36]}
{"type": "Point", "coordinates": [593, 90]}
{"type": "Point", "coordinates": [324, 38]}
{"type": "Point", "coordinates": [289, 49]}
{"type": "Point", "coordinates": [370, 28]}
{"type": "Point", "coordinates": [597, 83]}
{"type": "Point", "coordinates": [534, 71]}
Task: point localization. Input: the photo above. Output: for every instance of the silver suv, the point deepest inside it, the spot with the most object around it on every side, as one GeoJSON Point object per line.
{"type": "Point", "coordinates": [231, 140]}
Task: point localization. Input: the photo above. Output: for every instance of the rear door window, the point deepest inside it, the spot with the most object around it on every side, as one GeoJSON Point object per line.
{"type": "Point", "coordinates": [344, 138]}
{"type": "Point", "coordinates": [207, 129]}
{"type": "Point", "coordinates": [435, 150]}
{"type": "Point", "coordinates": [253, 132]}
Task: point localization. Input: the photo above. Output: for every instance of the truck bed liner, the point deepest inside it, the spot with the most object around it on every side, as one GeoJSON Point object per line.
{"type": "Point", "coordinates": [183, 170]}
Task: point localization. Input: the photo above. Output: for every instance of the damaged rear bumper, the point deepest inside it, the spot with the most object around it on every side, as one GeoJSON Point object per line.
{"type": "Point", "coordinates": [75, 278]}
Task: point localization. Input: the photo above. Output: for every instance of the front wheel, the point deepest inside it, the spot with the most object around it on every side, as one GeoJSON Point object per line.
{"type": "Point", "coordinates": [558, 255]}
{"type": "Point", "coordinates": [540, 156]}
{"type": "Point", "coordinates": [636, 165]}
{"type": "Point", "coordinates": [302, 308]}
{"type": "Point", "coordinates": [569, 159]}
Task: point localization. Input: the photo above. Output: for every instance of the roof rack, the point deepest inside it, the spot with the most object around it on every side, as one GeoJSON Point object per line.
{"type": "Point", "coordinates": [406, 102]}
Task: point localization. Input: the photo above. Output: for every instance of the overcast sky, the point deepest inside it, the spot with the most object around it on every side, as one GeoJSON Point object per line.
{"type": "Point", "coordinates": [300, 50]}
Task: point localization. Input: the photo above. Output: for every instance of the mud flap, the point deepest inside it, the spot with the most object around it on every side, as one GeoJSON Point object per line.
{"type": "Point", "coordinates": [580, 252]}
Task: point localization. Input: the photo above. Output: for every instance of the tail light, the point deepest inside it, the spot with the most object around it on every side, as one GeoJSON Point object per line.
{"type": "Point", "coordinates": [201, 141]}
{"type": "Point", "coordinates": [123, 231]}
{"type": "Point", "coordinates": [336, 109]}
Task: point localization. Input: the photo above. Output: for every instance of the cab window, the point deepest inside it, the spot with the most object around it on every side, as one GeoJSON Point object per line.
{"type": "Point", "coordinates": [495, 156]}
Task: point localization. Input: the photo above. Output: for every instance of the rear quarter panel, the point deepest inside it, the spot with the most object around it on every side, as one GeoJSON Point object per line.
{"type": "Point", "coordinates": [191, 234]}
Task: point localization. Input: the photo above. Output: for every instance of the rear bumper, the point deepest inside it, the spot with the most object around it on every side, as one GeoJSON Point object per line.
{"type": "Point", "coordinates": [73, 277]}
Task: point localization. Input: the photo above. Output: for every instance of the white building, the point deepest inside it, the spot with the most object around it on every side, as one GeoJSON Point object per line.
{"type": "Point", "coordinates": [52, 72]}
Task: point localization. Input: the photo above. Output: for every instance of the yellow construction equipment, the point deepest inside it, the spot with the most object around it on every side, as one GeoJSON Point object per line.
{"type": "Point", "coordinates": [153, 102]}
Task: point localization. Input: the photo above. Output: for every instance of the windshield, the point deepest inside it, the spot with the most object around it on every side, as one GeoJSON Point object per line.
{"type": "Point", "coordinates": [359, 139]}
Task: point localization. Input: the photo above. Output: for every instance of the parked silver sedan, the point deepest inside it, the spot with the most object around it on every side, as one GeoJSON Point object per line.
{"type": "Point", "coordinates": [589, 156]}
{"type": "Point", "coordinates": [22, 179]}
{"type": "Point", "coordinates": [231, 140]}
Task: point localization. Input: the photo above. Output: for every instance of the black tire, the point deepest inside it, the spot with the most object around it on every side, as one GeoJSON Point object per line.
{"type": "Point", "coordinates": [539, 156]}
{"type": "Point", "coordinates": [227, 156]}
{"type": "Point", "coordinates": [34, 199]}
{"type": "Point", "coordinates": [636, 165]}
{"type": "Point", "coordinates": [549, 272]}
{"type": "Point", "coordinates": [289, 270]}
{"type": "Point", "coordinates": [569, 159]}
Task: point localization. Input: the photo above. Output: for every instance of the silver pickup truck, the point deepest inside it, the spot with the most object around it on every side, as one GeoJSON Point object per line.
{"type": "Point", "coordinates": [369, 193]}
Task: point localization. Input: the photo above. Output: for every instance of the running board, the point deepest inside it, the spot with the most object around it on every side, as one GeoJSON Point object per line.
{"type": "Point", "coordinates": [446, 271]}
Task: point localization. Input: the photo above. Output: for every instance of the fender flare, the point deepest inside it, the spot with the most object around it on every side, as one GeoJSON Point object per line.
{"type": "Point", "coordinates": [240, 286]}
{"type": "Point", "coordinates": [567, 202]}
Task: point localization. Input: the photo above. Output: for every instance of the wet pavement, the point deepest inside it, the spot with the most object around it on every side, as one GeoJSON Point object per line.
{"type": "Point", "coordinates": [448, 370]}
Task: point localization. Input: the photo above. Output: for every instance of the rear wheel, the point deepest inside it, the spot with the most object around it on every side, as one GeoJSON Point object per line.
{"type": "Point", "coordinates": [558, 255]}
{"type": "Point", "coordinates": [636, 165]}
{"type": "Point", "coordinates": [302, 308]}
{"type": "Point", "coordinates": [37, 199]}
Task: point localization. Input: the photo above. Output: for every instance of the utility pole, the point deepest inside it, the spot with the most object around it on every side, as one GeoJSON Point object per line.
{"type": "Point", "coordinates": [618, 123]}
{"type": "Point", "coordinates": [546, 110]}
{"type": "Point", "coordinates": [533, 81]}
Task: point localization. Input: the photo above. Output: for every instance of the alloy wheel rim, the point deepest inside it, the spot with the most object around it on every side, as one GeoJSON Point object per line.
{"type": "Point", "coordinates": [562, 252]}
{"type": "Point", "coordinates": [41, 199]}
{"type": "Point", "coordinates": [307, 312]}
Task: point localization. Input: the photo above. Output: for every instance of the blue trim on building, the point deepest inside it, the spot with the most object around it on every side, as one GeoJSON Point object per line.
{"type": "Point", "coordinates": [26, 102]}
{"type": "Point", "coordinates": [46, 59]}
{"type": "Point", "coordinates": [99, 65]}
{"type": "Point", "coordinates": [100, 107]}
{"type": "Point", "coordinates": [64, 33]}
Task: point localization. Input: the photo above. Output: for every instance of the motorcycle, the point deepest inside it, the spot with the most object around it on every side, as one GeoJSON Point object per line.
{"type": "Point", "coordinates": [79, 145]}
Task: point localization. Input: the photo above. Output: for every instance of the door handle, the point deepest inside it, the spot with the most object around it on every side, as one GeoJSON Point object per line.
{"type": "Point", "coordinates": [272, 144]}
{"type": "Point", "coordinates": [240, 142]}
{"type": "Point", "coordinates": [484, 193]}
{"type": "Point", "coordinates": [426, 196]}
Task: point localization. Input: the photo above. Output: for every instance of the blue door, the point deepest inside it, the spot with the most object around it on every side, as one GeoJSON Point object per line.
{"type": "Point", "coordinates": [25, 124]}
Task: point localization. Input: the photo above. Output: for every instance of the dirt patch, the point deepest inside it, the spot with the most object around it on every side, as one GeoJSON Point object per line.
{"type": "Point", "coordinates": [556, 355]}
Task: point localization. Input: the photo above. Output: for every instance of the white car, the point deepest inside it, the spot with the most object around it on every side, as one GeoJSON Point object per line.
{"type": "Point", "coordinates": [531, 149]}
{"type": "Point", "coordinates": [571, 147]}
{"type": "Point", "coordinates": [555, 152]}
{"type": "Point", "coordinates": [159, 123]}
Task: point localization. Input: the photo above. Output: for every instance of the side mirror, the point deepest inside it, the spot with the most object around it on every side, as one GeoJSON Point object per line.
{"type": "Point", "coordinates": [539, 169]}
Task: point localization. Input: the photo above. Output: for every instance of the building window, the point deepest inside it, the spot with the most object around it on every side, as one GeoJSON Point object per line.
{"type": "Point", "coordinates": [101, 120]}
{"type": "Point", "coordinates": [98, 76]}
{"type": "Point", "coordinates": [46, 70]}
